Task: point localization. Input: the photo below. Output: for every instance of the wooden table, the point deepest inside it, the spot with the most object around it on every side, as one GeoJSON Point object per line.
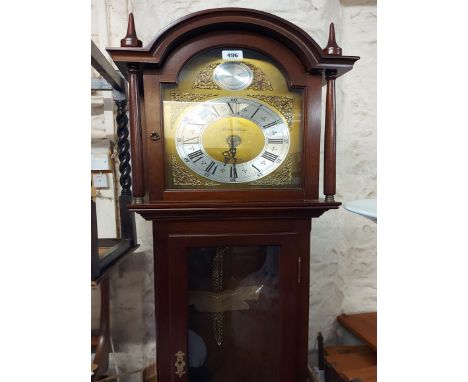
{"type": "Point", "coordinates": [354, 363]}
{"type": "Point", "coordinates": [362, 325]}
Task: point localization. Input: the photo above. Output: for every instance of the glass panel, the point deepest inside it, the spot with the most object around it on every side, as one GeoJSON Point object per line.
{"type": "Point", "coordinates": [230, 124]}
{"type": "Point", "coordinates": [234, 314]}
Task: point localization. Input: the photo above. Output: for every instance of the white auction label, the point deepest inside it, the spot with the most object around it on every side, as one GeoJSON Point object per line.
{"type": "Point", "coordinates": [232, 55]}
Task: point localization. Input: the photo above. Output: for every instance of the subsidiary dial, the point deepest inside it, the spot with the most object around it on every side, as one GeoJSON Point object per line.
{"type": "Point", "coordinates": [233, 75]}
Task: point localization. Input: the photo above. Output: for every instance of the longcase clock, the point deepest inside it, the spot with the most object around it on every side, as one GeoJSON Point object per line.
{"type": "Point", "coordinates": [225, 114]}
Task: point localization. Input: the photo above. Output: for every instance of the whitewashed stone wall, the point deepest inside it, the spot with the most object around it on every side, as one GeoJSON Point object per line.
{"type": "Point", "coordinates": [343, 255]}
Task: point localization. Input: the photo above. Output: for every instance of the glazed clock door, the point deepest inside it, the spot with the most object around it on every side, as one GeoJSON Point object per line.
{"type": "Point", "coordinates": [234, 307]}
{"type": "Point", "coordinates": [231, 123]}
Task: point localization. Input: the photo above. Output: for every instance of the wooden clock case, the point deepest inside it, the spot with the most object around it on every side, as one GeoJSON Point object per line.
{"type": "Point", "coordinates": [184, 219]}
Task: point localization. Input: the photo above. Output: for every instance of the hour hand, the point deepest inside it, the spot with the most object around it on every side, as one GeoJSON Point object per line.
{"type": "Point", "coordinates": [230, 155]}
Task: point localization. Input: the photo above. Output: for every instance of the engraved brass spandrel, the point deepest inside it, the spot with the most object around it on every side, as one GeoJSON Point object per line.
{"type": "Point", "coordinates": [260, 82]}
{"type": "Point", "coordinates": [183, 177]}
{"type": "Point", "coordinates": [191, 97]}
{"type": "Point", "coordinates": [283, 104]}
{"type": "Point", "coordinates": [282, 176]}
{"type": "Point", "coordinates": [204, 78]}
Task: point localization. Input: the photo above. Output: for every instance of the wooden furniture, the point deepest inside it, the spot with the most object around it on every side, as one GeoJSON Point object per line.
{"type": "Point", "coordinates": [362, 325]}
{"type": "Point", "coordinates": [354, 363]}
{"type": "Point", "coordinates": [106, 253]}
{"type": "Point", "coordinates": [225, 111]}
{"type": "Point", "coordinates": [100, 337]}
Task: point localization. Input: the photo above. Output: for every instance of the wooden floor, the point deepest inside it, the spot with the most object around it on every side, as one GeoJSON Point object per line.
{"type": "Point", "coordinates": [366, 374]}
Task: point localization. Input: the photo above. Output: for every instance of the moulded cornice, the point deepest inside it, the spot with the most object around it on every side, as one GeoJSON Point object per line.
{"type": "Point", "coordinates": [232, 211]}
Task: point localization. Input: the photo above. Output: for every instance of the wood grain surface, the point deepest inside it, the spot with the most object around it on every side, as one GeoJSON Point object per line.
{"type": "Point", "coordinates": [362, 325]}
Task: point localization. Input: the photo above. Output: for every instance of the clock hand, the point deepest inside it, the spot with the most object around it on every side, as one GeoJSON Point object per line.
{"type": "Point", "coordinates": [231, 153]}
{"type": "Point", "coordinates": [233, 149]}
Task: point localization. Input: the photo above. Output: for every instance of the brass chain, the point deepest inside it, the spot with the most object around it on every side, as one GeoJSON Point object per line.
{"type": "Point", "coordinates": [217, 318]}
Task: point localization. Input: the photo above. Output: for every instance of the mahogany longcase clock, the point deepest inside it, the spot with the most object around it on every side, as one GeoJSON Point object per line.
{"type": "Point", "coordinates": [225, 111]}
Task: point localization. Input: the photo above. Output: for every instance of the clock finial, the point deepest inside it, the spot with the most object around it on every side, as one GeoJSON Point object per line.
{"type": "Point", "coordinates": [131, 39]}
{"type": "Point", "coordinates": [332, 47]}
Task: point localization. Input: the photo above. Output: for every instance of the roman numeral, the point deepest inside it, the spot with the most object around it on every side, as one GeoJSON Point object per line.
{"type": "Point", "coordinates": [235, 109]}
{"type": "Point", "coordinates": [215, 114]}
{"type": "Point", "coordinates": [190, 121]}
{"type": "Point", "coordinates": [275, 140]}
{"type": "Point", "coordinates": [255, 112]}
{"type": "Point", "coordinates": [191, 140]}
{"type": "Point", "coordinates": [211, 168]}
{"type": "Point", "coordinates": [258, 170]}
{"type": "Point", "coordinates": [233, 172]}
{"type": "Point", "coordinates": [196, 154]}
{"type": "Point", "coordinates": [270, 156]}
{"type": "Point", "coordinates": [272, 124]}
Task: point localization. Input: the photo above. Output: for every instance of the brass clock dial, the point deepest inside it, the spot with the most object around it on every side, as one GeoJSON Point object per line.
{"type": "Point", "coordinates": [232, 140]}
{"type": "Point", "coordinates": [232, 124]}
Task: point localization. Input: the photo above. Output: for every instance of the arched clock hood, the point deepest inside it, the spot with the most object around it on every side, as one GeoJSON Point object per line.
{"type": "Point", "coordinates": [311, 55]}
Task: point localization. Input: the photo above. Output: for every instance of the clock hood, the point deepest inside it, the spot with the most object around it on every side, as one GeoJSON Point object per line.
{"type": "Point", "coordinates": [311, 55]}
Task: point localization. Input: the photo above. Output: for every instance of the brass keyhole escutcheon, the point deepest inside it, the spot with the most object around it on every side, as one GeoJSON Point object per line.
{"type": "Point", "coordinates": [154, 136]}
{"type": "Point", "coordinates": [180, 363]}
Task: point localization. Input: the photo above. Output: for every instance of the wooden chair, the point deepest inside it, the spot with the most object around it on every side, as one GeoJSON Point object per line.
{"type": "Point", "coordinates": [100, 336]}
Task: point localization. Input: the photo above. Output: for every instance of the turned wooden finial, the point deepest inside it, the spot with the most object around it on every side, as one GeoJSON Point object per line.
{"type": "Point", "coordinates": [332, 47]}
{"type": "Point", "coordinates": [131, 39]}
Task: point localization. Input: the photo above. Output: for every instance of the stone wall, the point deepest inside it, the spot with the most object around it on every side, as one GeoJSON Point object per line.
{"type": "Point", "coordinates": [343, 255]}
